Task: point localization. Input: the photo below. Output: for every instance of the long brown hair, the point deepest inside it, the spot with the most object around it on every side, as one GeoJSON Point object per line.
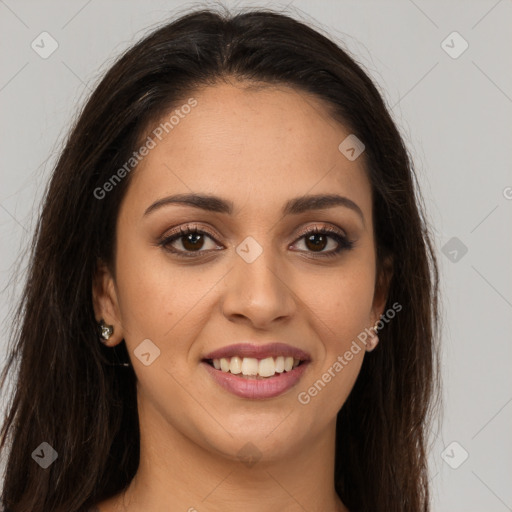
{"type": "Point", "coordinates": [68, 390]}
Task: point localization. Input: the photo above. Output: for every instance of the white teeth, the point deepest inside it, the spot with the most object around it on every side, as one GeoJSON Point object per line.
{"type": "Point", "coordinates": [280, 364]}
{"type": "Point", "coordinates": [250, 366]}
{"type": "Point", "coordinates": [267, 367]}
{"type": "Point", "coordinates": [236, 365]}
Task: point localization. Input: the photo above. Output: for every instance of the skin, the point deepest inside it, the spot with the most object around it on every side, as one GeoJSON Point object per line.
{"type": "Point", "coordinates": [257, 147]}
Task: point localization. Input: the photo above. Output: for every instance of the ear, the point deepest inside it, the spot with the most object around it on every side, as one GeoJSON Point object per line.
{"type": "Point", "coordinates": [105, 303]}
{"type": "Point", "coordinates": [382, 288]}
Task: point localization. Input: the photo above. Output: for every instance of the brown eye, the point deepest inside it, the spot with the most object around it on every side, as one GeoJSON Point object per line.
{"type": "Point", "coordinates": [192, 240]}
{"type": "Point", "coordinates": [316, 241]}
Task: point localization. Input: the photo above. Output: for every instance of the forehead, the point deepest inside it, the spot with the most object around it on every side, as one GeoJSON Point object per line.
{"type": "Point", "coordinates": [262, 144]}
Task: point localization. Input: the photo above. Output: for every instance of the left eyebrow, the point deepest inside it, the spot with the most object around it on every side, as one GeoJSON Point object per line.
{"type": "Point", "coordinates": [319, 202]}
{"type": "Point", "coordinates": [292, 207]}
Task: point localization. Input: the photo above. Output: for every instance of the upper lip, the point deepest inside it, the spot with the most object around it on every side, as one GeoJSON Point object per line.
{"type": "Point", "coordinates": [259, 351]}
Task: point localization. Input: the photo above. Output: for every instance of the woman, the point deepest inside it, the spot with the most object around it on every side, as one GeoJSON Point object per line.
{"type": "Point", "coordinates": [235, 217]}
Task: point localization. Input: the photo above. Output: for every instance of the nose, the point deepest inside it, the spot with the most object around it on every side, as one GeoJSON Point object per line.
{"type": "Point", "coordinates": [258, 293]}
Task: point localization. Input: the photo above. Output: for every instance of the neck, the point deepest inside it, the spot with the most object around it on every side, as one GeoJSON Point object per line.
{"type": "Point", "coordinates": [175, 470]}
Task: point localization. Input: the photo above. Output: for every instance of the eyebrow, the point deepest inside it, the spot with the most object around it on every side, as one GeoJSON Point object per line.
{"type": "Point", "coordinates": [294, 206]}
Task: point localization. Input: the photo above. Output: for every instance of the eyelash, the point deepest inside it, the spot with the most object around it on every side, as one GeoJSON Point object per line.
{"type": "Point", "coordinates": [343, 243]}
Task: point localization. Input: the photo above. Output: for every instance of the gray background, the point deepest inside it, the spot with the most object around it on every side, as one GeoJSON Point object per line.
{"type": "Point", "coordinates": [455, 115]}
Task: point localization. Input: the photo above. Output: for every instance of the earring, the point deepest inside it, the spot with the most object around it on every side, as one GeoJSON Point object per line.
{"type": "Point", "coordinates": [105, 330]}
{"type": "Point", "coordinates": [374, 339]}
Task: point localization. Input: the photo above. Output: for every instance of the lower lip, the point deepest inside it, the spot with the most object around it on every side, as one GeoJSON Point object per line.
{"type": "Point", "coordinates": [257, 388]}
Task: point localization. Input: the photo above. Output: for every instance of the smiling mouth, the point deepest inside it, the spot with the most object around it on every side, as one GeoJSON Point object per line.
{"type": "Point", "coordinates": [256, 369]}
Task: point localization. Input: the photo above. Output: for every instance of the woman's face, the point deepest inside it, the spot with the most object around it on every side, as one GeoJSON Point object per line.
{"type": "Point", "coordinates": [253, 276]}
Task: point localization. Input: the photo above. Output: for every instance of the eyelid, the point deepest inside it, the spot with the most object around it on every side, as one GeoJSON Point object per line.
{"type": "Point", "coordinates": [177, 233]}
{"type": "Point", "coordinates": [324, 227]}
{"type": "Point", "coordinates": [300, 233]}
{"type": "Point", "coordinates": [334, 232]}
{"type": "Point", "coordinates": [188, 227]}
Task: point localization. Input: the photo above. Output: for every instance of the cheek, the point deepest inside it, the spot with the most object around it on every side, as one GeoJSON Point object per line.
{"type": "Point", "coordinates": [341, 303]}
{"type": "Point", "coordinates": [152, 295]}
{"type": "Point", "coordinates": [340, 313]}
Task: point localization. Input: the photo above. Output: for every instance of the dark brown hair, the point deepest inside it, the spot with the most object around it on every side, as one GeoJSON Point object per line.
{"type": "Point", "coordinates": [68, 391]}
